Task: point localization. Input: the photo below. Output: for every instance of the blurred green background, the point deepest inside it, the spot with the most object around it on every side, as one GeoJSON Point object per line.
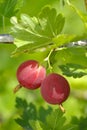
{"type": "Point", "coordinates": [76, 105]}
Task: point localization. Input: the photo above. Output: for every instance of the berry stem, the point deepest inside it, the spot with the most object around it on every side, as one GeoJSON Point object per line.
{"type": "Point", "coordinates": [48, 59]}
{"type": "Point", "coordinates": [17, 88]}
{"type": "Point", "coordinates": [62, 108]}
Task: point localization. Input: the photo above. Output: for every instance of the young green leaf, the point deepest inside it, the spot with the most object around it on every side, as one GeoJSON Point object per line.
{"type": "Point", "coordinates": [28, 33]}
{"type": "Point", "coordinates": [34, 33]}
{"type": "Point", "coordinates": [37, 33]}
{"type": "Point", "coordinates": [55, 23]}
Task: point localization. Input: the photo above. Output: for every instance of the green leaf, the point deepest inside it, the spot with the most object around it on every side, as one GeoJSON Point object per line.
{"type": "Point", "coordinates": [82, 122]}
{"type": "Point", "coordinates": [20, 103]}
{"type": "Point", "coordinates": [23, 123]}
{"type": "Point", "coordinates": [55, 23]}
{"type": "Point", "coordinates": [43, 113]}
{"type": "Point", "coordinates": [9, 8]}
{"type": "Point", "coordinates": [82, 15]}
{"type": "Point", "coordinates": [35, 33]}
{"type": "Point", "coordinates": [74, 55]}
{"type": "Point", "coordinates": [42, 118]}
{"type": "Point", "coordinates": [28, 33]}
{"type": "Point", "coordinates": [57, 121]}
{"type": "Point", "coordinates": [71, 127]}
{"type": "Point", "coordinates": [36, 125]}
{"type": "Point", "coordinates": [54, 121]}
{"type": "Point", "coordinates": [63, 39]}
{"type": "Point", "coordinates": [29, 112]}
{"type": "Point", "coordinates": [74, 70]}
{"type": "Point", "coordinates": [42, 32]}
{"type": "Point", "coordinates": [39, 125]}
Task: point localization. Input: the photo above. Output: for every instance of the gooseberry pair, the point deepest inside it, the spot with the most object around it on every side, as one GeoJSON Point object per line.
{"type": "Point", "coordinates": [54, 87]}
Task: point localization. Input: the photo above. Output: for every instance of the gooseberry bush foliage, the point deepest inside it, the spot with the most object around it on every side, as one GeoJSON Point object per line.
{"type": "Point", "coordinates": [49, 39]}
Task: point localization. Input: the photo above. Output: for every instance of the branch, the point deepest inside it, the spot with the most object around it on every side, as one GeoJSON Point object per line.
{"type": "Point", "coordinates": [6, 38]}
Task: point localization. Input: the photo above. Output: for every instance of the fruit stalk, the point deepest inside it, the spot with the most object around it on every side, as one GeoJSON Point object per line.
{"type": "Point", "coordinates": [62, 108]}
{"type": "Point", "coordinates": [17, 88]}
